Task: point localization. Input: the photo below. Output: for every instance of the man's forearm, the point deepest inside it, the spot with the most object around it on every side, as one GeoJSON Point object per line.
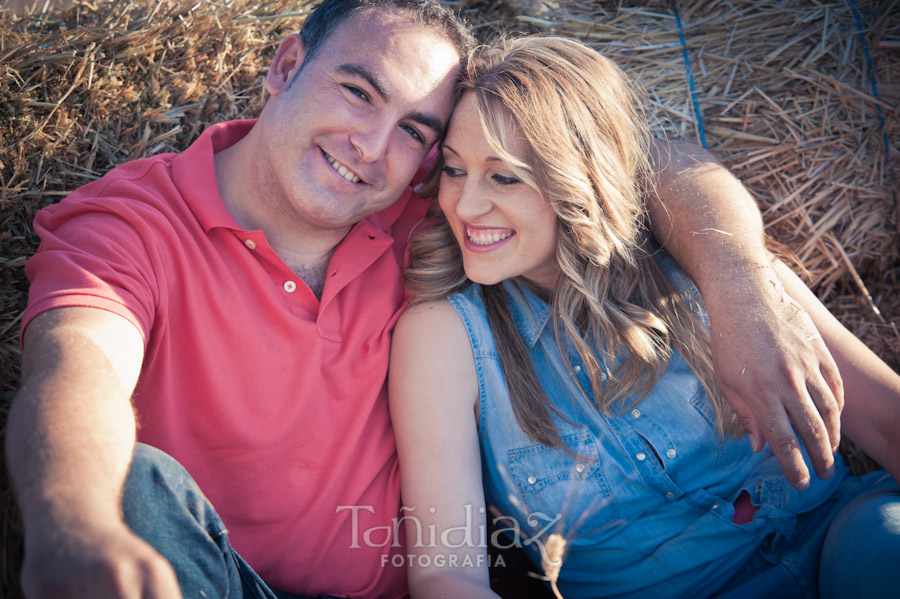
{"type": "Point", "coordinates": [704, 216]}
{"type": "Point", "coordinates": [71, 431]}
{"type": "Point", "coordinates": [771, 366]}
{"type": "Point", "coordinates": [70, 444]}
{"type": "Point", "coordinates": [68, 457]}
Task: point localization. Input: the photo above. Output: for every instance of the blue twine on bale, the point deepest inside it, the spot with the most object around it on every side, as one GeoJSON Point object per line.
{"type": "Point", "coordinates": [687, 61]}
{"type": "Point", "coordinates": [884, 135]}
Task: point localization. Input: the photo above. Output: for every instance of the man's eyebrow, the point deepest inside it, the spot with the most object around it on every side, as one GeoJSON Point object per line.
{"type": "Point", "coordinates": [374, 80]}
{"type": "Point", "coordinates": [429, 120]}
{"type": "Point", "coordinates": [377, 83]}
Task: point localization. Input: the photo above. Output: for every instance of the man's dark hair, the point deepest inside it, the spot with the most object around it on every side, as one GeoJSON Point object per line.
{"type": "Point", "coordinates": [331, 13]}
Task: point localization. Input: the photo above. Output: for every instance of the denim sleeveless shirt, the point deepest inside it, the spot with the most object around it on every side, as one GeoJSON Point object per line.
{"type": "Point", "coordinates": [646, 502]}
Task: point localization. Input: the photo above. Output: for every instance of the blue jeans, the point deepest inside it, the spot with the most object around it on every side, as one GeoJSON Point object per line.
{"type": "Point", "coordinates": [164, 506]}
{"type": "Point", "coordinates": [848, 547]}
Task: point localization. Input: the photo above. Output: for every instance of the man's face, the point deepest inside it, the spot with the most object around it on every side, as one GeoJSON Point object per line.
{"type": "Point", "coordinates": [345, 134]}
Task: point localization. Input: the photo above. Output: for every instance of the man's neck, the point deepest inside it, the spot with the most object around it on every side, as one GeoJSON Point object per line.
{"type": "Point", "coordinates": [314, 276]}
{"type": "Point", "coordinates": [307, 253]}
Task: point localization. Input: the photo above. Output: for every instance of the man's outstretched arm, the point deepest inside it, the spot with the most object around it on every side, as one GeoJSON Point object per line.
{"type": "Point", "coordinates": [69, 443]}
{"type": "Point", "coordinates": [770, 361]}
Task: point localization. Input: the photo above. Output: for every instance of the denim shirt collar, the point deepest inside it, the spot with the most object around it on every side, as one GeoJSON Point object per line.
{"type": "Point", "coordinates": [529, 312]}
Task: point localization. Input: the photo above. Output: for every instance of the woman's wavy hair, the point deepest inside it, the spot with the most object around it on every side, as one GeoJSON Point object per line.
{"type": "Point", "coordinates": [588, 143]}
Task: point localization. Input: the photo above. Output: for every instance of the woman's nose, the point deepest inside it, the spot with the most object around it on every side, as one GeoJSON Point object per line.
{"type": "Point", "coordinates": [474, 201]}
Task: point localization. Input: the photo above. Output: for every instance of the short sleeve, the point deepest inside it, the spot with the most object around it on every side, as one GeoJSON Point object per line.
{"type": "Point", "coordinates": [95, 252]}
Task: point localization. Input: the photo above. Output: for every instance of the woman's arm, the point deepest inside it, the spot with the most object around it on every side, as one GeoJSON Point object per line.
{"type": "Point", "coordinates": [871, 416]}
{"type": "Point", "coordinates": [433, 394]}
{"type": "Point", "coordinates": [766, 368]}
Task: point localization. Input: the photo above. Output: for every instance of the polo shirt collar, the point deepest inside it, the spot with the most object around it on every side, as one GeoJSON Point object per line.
{"type": "Point", "coordinates": [194, 173]}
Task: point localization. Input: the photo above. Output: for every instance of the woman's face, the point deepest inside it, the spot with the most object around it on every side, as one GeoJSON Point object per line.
{"type": "Point", "coordinates": [505, 228]}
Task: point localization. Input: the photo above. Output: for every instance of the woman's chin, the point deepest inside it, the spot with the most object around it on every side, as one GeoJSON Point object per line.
{"type": "Point", "coordinates": [483, 278]}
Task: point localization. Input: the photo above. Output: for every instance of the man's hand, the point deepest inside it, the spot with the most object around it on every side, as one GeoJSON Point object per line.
{"type": "Point", "coordinates": [114, 564]}
{"type": "Point", "coordinates": [770, 361]}
{"type": "Point", "coordinates": [774, 369]}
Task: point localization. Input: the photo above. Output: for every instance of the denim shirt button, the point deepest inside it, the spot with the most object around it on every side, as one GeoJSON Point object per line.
{"type": "Point", "coordinates": [532, 479]}
{"type": "Point", "coordinates": [635, 413]}
{"type": "Point", "coordinates": [641, 456]}
{"type": "Point", "coordinates": [579, 467]}
{"type": "Point", "coordinates": [670, 495]}
{"type": "Point", "coordinates": [670, 453]}
{"type": "Point", "coordinates": [577, 368]}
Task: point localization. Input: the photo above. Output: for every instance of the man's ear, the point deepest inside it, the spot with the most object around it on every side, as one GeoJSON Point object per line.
{"type": "Point", "coordinates": [287, 62]}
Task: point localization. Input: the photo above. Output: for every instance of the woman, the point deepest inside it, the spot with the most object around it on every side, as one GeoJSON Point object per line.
{"type": "Point", "coordinates": [554, 365]}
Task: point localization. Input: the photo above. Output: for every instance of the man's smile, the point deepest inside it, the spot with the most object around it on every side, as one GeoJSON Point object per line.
{"type": "Point", "coordinates": [342, 170]}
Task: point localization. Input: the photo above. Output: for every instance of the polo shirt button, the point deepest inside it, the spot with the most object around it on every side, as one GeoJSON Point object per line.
{"type": "Point", "coordinates": [670, 495]}
{"type": "Point", "coordinates": [641, 456]}
{"type": "Point", "coordinates": [532, 479]}
{"type": "Point", "coordinates": [290, 286]}
{"type": "Point", "coordinates": [635, 413]}
{"type": "Point", "coordinates": [579, 467]}
{"type": "Point", "coordinates": [250, 244]}
{"type": "Point", "coordinates": [671, 453]}
{"type": "Point", "coordinates": [577, 368]}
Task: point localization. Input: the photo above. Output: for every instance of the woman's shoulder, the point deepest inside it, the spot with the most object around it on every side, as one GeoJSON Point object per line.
{"type": "Point", "coordinates": [428, 310]}
{"type": "Point", "coordinates": [431, 355]}
{"type": "Point", "coordinates": [434, 322]}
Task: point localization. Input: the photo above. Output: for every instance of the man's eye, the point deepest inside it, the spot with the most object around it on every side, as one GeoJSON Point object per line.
{"type": "Point", "coordinates": [501, 180]}
{"type": "Point", "coordinates": [414, 134]}
{"type": "Point", "coordinates": [453, 172]}
{"type": "Point", "coordinates": [357, 92]}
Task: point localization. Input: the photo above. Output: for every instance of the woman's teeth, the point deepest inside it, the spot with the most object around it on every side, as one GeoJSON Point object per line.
{"type": "Point", "coordinates": [484, 238]}
{"type": "Point", "coordinates": [343, 170]}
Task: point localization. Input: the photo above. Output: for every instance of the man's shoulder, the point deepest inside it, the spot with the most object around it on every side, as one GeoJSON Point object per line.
{"type": "Point", "coordinates": [163, 175]}
{"type": "Point", "coordinates": [135, 195]}
{"type": "Point", "coordinates": [132, 180]}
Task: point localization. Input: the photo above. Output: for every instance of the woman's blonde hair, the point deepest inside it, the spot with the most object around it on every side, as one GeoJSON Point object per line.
{"type": "Point", "coordinates": [588, 154]}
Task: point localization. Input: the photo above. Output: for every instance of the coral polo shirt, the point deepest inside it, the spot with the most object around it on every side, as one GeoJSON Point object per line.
{"type": "Point", "coordinates": [273, 400]}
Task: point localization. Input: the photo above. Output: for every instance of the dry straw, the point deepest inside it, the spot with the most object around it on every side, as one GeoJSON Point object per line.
{"type": "Point", "coordinates": [784, 92]}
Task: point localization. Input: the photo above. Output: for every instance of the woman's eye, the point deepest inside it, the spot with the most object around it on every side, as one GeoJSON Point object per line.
{"type": "Point", "coordinates": [501, 180]}
{"type": "Point", "coordinates": [452, 172]}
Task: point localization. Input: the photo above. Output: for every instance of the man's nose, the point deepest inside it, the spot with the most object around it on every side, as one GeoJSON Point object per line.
{"type": "Point", "coordinates": [372, 141]}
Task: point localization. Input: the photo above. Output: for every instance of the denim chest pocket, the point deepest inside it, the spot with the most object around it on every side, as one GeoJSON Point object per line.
{"type": "Point", "coordinates": [571, 486]}
{"type": "Point", "coordinates": [679, 416]}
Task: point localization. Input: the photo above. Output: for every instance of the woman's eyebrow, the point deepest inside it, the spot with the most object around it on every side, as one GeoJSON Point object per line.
{"type": "Point", "coordinates": [488, 159]}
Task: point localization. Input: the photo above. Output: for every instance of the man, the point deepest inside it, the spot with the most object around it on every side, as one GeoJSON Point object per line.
{"type": "Point", "coordinates": [242, 296]}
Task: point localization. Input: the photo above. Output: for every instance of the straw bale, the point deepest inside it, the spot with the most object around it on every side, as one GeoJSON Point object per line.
{"type": "Point", "coordinates": [786, 101]}
{"type": "Point", "coordinates": [784, 92]}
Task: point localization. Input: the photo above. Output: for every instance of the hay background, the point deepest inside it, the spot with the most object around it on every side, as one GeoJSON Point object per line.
{"type": "Point", "coordinates": [783, 88]}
